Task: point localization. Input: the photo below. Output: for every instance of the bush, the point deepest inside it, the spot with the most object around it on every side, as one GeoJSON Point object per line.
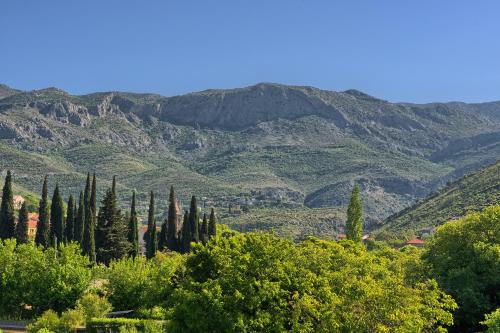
{"type": "Point", "coordinates": [93, 306]}
{"type": "Point", "coordinates": [98, 325]}
{"type": "Point", "coordinates": [492, 321]}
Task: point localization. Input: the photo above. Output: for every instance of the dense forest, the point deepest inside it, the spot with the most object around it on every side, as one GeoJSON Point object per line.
{"type": "Point", "coordinates": [202, 277]}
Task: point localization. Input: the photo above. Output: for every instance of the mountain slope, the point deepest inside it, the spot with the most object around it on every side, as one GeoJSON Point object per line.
{"type": "Point", "coordinates": [473, 192]}
{"type": "Point", "coordinates": [274, 144]}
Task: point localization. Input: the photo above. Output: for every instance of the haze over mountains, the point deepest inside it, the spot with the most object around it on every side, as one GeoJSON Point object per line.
{"type": "Point", "coordinates": [269, 144]}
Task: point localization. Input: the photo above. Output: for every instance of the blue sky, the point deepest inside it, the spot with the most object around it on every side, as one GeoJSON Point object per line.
{"type": "Point", "coordinates": [416, 51]}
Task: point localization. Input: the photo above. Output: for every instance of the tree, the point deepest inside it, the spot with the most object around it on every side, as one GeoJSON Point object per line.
{"type": "Point", "coordinates": [354, 224]}
{"type": "Point", "coordinates": [185, 234]}
{"type": "Point", "coordinates": [212, 225]}
{"type": "Point", "coordinates": [7, 217]}
{"type": "Point", "coordinates": [90, 210]}
{"type": "Point", "coordinates": [69, 228]}
{"type": "Point", "coordinates": [79, 220]}
{"type": "Point", "coordinates": [172, 241]}
{"type": "Point", "coordinates": [464, 257]}
{"type": "Point", "coordinates": [112, 241]}
{"type": "Point", "coordinates": [57, 217]}
{"type": "Point", "coordinates": [133, 232]}
{"type": "Point", "coordinates": [43, 226]}
{"type": "Point", "coordinates": [151, 239]}
{"type": "Point", "coordinates": [194, 220]}
{"type": "Point", "coordinates": [204, 230]}
{"type": "Point", "coordinates": [22, 225]}
{"type": "Point", "coordinates": [162, 237]}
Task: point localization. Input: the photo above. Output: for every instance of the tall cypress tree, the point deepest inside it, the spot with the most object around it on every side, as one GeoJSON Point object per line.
{"type": "Point", "coordinates": [186, 234]}
{"type": "Point", "coordinates": [171, 238]}
{"type": "Point", "coordinates": [212, 225]}
{"type": "Point", "coordinates": [113, 230]}
{"type": "Point", "coordinates": [7, 217]}
{"type": "Point", "coordinates": [151, 239]}
{"type": "Point", "coordinates": [22, 225]}
{"type": "Point", "coordinates": [79, 220]}
{"type": "Point", "coordinates": [133, 232]}
{"type": "Point", "coordinates": [69, 228]}
{"type": "Point", "coordinates": [204, 230]}
{"type": "Point", "coordinates": [90, 210]}
{"type": "Point", "coordinates": [194, 222]}
{"type": "Point", "coordinates": [354, 223]}
{"type": "Point", "coordinates": [162, 237]}
{"type": "Point", "coordinates": [43, 226]}
{"type": "Point", "coordinates": [57, 217]}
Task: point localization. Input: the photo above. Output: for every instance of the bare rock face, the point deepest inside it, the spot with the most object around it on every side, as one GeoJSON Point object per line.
{"type": "Point", "coordinates": [64, 111]}
{"type": "Point", "coordinates": [8, 131]}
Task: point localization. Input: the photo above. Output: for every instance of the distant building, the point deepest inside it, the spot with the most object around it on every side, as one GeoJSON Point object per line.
{"type": "Point", "coordinates": [32, 224]}
{"type": "Point", "coordinates": [235, 210]}
{"type": "Point", "coordinates": [18, 201]}
{"type": "Point", "coordinates": [416, 242]}
{"type": "Point", "coordinates": [340, 236]}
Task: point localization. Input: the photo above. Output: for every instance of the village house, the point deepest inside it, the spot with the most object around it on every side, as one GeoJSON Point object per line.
{"type": "Point", "coordinates": [417, 242]}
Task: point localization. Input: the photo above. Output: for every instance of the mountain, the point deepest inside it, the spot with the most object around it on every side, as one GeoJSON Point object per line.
{"type": "Point", "coordinates": [6, 91]}
{"type": "Point", "coordinates": [472, 192]}
{"type": "Point", "coordinates": [264, 145]}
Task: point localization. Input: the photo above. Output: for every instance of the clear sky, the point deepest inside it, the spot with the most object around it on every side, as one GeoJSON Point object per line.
{"type": "Point", "coordinates": [416, 51]}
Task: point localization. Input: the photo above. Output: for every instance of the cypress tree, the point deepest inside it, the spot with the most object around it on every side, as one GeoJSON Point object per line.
{"type": "Point", "coordinates": [133, 233]}
{"type": "Point", "coordinates": [194, 222]}
{"type": "Point", "coordinates": [69, 228]}
{"type": "Point", "coordinates": [204, 230]}
{"type": "Point", "coordinates": [151, 238]}
{"type": "Point", "coordinates": [7, 217]}
{"type": "Point", "coordinates": [171, 238]}
{"type": "Point", "coordinates": [185, 234]}
{"type": "Point", "coordinates": [57, 217]}
{"type": "Point", "coordinates": [79, 220]}
{"type": "Point", "coordinates": [162, 237]}
{"type": "Point", "coordinates": [212, 225]}
{"type": "Point", "coordinates": [43, 226]}
{"type": "Point", "coordinates": [89, 227]}
{"type": "Point", "coordinates": [22, 225]}
{"type": "Point", "coordinates": [354, 224]}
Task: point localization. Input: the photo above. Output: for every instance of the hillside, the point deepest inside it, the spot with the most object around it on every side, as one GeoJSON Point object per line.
{"type": "Point", "coordinates": [472, 192]}
{"type": "Point", "coordinates": [269, 145]}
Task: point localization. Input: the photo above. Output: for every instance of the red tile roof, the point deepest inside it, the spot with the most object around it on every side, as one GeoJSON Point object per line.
{"type": "Point", "coordinates": [415, 241]}
{"type": "Point", "coordinates": [32, 220]}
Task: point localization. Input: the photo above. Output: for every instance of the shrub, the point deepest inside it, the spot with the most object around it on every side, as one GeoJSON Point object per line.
{"type": "Point", "coordinates": [492, 321]}
{"type": "Point", "coordinates": [97, 325]}
{"type": "Point", "coordinates": [93, 306]}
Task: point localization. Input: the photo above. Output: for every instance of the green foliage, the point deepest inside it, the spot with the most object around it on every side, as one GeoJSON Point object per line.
{"type": "Point", "coordinates": [150, 236]}
{"type": "Point", "coordinates": [93, 306]}
{"type": "Point", "coordinates": [194, 220]}
{"type": "Point", "coordinates": [22, 225]}
{"type": "Point", "coordinates": [133, 228]}
{"type": "Point", "coordinates": [49, 321]}
{"type": "Point", "coordinates": [492, 321]}
{"type": "Point", "coordinates": [185, 234]}
{"type": "Point", "coordinates": [135, 283]}
{"type": "Point", "coordinates": [80, 220]}
{"type": "Point", "coordinates": [354, 223]}
{"type": "Point", "coordinates": [172, 240]}
{"type": "Point", "coordinates": [464, 256]}
{"type": "Point", "coordinates": [42, 236]}
{"type": "Point", "coordinates": [125, 325]}
{"type": "Point", "coordinates": [7, 218]}
{"type": "Point", "coordinates": [69, 228]}
{"type": "Point", "coordinates": [212, 224]}
{"type": "Point", "coordinates": [33, 280]}
{"type": "Point", "coordinates": [260, 283]}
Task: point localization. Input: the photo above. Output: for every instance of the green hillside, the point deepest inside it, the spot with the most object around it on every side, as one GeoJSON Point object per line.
{"type": "Point", "coordinates": [473, 192]}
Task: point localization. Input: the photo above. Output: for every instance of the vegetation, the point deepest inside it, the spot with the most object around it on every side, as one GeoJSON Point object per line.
{"type": "Point", "coordinates": [473, 192]}
{"type": "Point", "coordinates": [464, 256]}
{"type": "Point", "coordinates": [354, 223]}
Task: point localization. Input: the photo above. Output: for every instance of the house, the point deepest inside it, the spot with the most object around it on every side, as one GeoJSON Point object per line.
{"type": "Point", "coordinates": [18, 201]}
{"type": "Point", "coordinates": [340, 236]}
{"type": "Point", "coordinates": [32, 224]}
{"type": "Point", "coordinates": [416, 242]}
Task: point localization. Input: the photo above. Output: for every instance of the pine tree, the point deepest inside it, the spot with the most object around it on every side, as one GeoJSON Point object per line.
{"type": "Point", "coordinates": [212, 225]}
{"type": "Point", "coordinates": [186, 234]}
{"type": "Point", "coordinates": [204, 230]}
{"type": "Point", "coordinates": [22, 225]}
{"type": "Point", "coordinates": [171, 238]}
{"type": "Point", "coordinates": [113, 242]}
{"type": "Point", "coordinates": [133, 233]}
{"type": "Point", "coordinates": [7, 217]}
{"type": "Point", "coordinates": [162, 237]}
{"type": "Point", "coordinates": [57, 217]}
{"type": "Point", "coordinates": [354, 224]}
{"type": "Point", "coordinates": [90, 210]}
{"type": "Point", "coordinates": [151, 238]}
{"type": "Point", "coordinates": [69, 228]}
{"type": "Point", "coordinates": [43, 226]}
{"type": "Point", "coordinates": [79, 220]}
{"type": "Point", "coordinates": [194, 222]}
